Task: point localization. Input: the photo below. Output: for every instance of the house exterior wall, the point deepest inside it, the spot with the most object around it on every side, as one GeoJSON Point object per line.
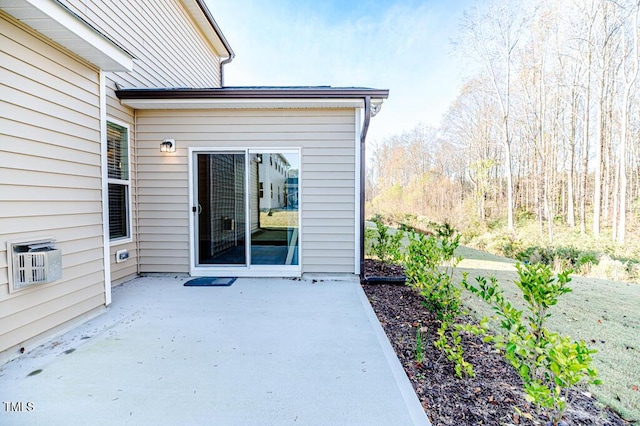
{"type": "Point", "coordinates": [50, 179]}
{"type": "Point", "coordinates": [328, 186]}
{"type": "Point", "coordinates": [170, 50]}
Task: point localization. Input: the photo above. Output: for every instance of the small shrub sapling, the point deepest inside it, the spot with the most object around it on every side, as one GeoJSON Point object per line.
{"type": "Point", "coordinates": [548, 363]}
{"type": "Point", "coordinates": [385, 245]}
{"type": "Point", "coordinates": [429, 264]}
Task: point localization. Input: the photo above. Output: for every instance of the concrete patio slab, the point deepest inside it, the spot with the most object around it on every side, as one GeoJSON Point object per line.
{"type": "Point", "coordinates": [260, 352]}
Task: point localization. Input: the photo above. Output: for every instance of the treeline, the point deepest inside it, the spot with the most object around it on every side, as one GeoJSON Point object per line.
{"type": "Point", "coordinates": [547, 125]}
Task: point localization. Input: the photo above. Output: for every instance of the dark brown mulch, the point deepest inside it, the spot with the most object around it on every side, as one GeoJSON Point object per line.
{"type": "Point", "coordinates": [490, 398]}
{"type": "Point", "coordinates": [375, 268]}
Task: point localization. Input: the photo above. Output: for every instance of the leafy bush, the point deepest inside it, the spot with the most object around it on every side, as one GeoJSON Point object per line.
{"type": "Point", "coordinates": [425, 254]}
{"type": "Point", "coordinates": [429, 264]}
{"type": "Point", "coordinates": [548, 363]}
{"type": "Point", "coordinates": [410, 219]}
{"type": "Point", "coordinates": [383, 244]}
{"type": "Point", "coordinates": [559, 257]}
{"type": "Point", "coordinates": [523, 216]}
{"type": "Point", "coordinates": [473, 231]}
{"type": "Point", "coordinates": [505, 244]}
{"type": "Point", "coordinates": [370, 236]}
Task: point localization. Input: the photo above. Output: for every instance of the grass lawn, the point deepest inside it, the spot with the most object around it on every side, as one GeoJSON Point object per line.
{"type": "Point", "coordinates": [606, 314]}
{"type": "Point", "coordinates": [279, 219]}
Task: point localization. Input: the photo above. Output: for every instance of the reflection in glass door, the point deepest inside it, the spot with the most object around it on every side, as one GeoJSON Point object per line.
{"type": "Point", "coordinates": [273, 205]}
{"type": "Point", "coordinates": [221, 209]}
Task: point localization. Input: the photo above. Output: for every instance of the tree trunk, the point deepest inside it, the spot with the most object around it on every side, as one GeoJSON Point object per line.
{"type": "Point", "coordinates": [573, 118]}
{"type": "Point", "coordinates": [585, 150]}
{"type": "Point", "coordinates": [597, 183]}
{"type": "Point", "coordinates": [629, 84]}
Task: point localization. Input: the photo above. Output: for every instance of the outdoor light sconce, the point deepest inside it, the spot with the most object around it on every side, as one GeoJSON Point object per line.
{"type": "Point", "coordinates": [168, 145]}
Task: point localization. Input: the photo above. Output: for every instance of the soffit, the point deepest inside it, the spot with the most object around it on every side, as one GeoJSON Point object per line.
{"type": "Point", "coordinates": [55, 21]}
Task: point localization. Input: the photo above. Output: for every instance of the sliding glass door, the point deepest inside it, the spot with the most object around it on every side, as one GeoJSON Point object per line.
{"type": "Point", "coordinates": [274, 208]}
{"type": "Point", "coordinates": [247, 209]}
{"type": "Point", "coordinates": [221, 209]}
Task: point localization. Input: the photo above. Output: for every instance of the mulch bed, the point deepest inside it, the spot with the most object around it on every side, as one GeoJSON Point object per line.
{"type": "Point", "coordinates": [493, 397]}
{"type": "Point", "coordinates": [375, 268]}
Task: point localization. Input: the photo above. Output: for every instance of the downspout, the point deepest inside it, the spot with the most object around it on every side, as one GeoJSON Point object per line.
{"type": "Point", "coordinates": [222, 64]}
{"type": "Point", "coordinates": [136, 190]}
{"type": "Point", "coordinates": [363, 164]}
{"type": "Point", "coordinates": [106, 246]}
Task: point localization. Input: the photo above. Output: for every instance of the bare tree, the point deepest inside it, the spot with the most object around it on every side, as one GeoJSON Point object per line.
{"type": "Point", "coordinates": [492, 38]}
{"type": "Point", "coordinates": [629, 70]}
{"type": "Point", "coordinates": [547, 123]}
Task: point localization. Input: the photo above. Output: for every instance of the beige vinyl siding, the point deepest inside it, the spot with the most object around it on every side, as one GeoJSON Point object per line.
{"type": "Point", "coordinates": [169, 48]}
{"type": "Point", "coordinates": [50, 179]}
{"type": "Point", "coordinates": [327, 139]}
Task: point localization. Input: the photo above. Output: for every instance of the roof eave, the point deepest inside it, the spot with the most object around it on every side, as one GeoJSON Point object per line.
{"type": "Point", "coordinates": [57, 22]}
{"type": "Point", "coordinates": [200, 12]}
{"type": "Point", "coordinates": [258, 93]}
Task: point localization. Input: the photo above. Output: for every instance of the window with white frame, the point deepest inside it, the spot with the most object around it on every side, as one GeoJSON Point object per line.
{"type": "Point", "coordinates": [118, 181]}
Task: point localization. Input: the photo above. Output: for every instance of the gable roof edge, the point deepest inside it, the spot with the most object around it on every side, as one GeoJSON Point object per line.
{"type": "Point", "coordinates": [203, 17]}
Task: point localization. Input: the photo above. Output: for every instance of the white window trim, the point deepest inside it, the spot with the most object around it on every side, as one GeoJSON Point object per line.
{"type": "Point", "coordinates": [129, 239]}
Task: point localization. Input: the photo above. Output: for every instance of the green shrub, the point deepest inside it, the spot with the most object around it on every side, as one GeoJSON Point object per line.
{"type": "Point", "coordinates": [559, 257]}
{"type": "Point", "coordinates": [424, 257]}
{"type": "Point", "coordinates": [524, 216]}
{"type": "Point", "coordinates": [548, 363]}
{"type": "Point", "coordinates": [385, 245]}
{"type": "Point", "coordinates": [369, 238]}
{"type": "Point", "coordinates": [429, 264]}
{"type": "Point", "coordinates": [410, 219]}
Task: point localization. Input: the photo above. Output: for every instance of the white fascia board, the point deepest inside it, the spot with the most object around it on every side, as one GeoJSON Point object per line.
{"type": "Point", "coordinates": [242, 103]}
{"type": "Point", "coordinates": [54, 21]}
{"type": "Point", "coordinates": [196, 13]}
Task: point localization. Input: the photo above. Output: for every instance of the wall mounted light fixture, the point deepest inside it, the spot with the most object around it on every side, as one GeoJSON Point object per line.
{"type": "Point", "coordinates": [168, 145]}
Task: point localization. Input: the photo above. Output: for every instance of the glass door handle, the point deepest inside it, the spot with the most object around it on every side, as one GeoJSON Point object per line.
{"type": "Point", "coordinates": [197, 209]}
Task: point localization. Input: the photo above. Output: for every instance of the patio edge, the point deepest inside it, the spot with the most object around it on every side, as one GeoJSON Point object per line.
{"type": "Point", "coordinates": [416, 412]}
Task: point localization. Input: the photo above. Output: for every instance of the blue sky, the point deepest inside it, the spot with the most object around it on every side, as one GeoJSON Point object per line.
{"type": "Point", "coordinates": [403, 46]}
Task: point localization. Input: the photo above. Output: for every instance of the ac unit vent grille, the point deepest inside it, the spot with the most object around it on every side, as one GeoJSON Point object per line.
{"type": "Point", "coordinates": [35, 262]}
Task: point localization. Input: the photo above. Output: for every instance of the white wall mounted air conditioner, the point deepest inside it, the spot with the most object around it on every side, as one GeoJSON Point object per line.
{"type": "Point", "coordinates": [33, 262]}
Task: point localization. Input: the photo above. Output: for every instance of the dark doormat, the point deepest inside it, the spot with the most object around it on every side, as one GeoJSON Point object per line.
{"type": "Point", "coordinates": [210, 281]}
